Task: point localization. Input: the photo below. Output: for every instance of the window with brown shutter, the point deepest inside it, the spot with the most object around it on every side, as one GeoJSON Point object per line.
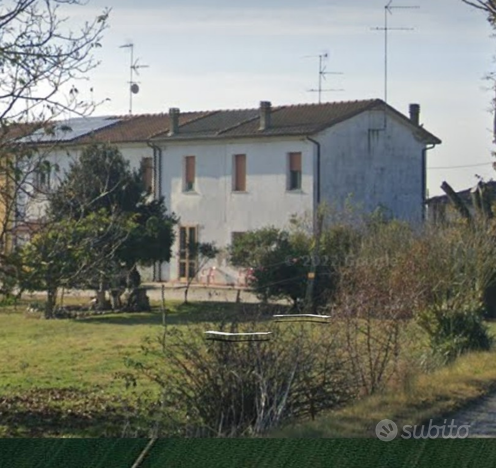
{"type": "Point", "coordinates": [239, 173]}
{"type": "Point", "coordinates": [147, 173]}
{"type": "Point", "coordinates": [294, 174]}
{"type": "Point", "coordinates": [189, 173]}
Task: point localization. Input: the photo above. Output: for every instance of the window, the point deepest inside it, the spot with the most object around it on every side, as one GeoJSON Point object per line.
{"type": "Point", "coordinates": [188, 260]}
{"type": "Point", "coordinates": [294, 174]}
{"type": "Point", "coordinates": [239, 173]}
{"type": "Point", "coordinates": [147, 173]}
{"type": "Point", "coordinates": [41, 180]}
{"type": "Point", "coordinates": [189, 173]}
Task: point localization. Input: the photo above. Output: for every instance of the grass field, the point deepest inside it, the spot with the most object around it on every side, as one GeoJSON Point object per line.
{"type": "Point", "coordinates": [59, 377]}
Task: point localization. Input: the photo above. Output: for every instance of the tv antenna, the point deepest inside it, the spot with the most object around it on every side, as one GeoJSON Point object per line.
{"type": "Point", "coordinates": [388, 10]}
{"type": "Point", "coordinates": [133, 68]}
{"type": "Point", "coordinates": [322, 75]}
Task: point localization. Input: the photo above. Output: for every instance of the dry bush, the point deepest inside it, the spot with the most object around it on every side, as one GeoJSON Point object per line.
{"type": "Point", "coordinates": [222, 389]}
{"type": "Point", "coordinates": [437, 275]}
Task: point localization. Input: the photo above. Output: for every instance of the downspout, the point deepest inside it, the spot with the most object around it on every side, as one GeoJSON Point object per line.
{"type": "Point", "coordinates": [317, 180]}
{"type": "Point", "coordinates": [157, 174]}
{"type": "Point", "coordinates": [424, 179]}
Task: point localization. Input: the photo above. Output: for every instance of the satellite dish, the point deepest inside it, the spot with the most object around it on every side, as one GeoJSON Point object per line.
{"type": "Point", "coordinates": [135, 88]}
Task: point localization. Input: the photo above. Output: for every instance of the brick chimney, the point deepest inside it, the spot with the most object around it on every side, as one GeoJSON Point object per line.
{"type": "Point", "coordinates": [415, 113]}
{"type": "Point", "coordinates": [265, 110]}
{"type": "Point", "coordinates": [173, 121]}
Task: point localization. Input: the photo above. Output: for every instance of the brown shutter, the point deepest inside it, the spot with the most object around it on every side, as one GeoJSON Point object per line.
{"type": "Point", "coordinates": [190, 170]}
{"type": "Point", "coordinates": [295, 162]}
{"type": "Point", "coordinates": [240, 172]}
{"type": "Point", "coordinates": [147, 171]}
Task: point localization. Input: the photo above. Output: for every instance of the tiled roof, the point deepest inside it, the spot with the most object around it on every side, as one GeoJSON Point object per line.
{"type": "Point", "coordinates": [293, 120]}
{"type": "Point", "coordinates": [137, 128]}
{"type": "Point", "coordinates": [304, 118]}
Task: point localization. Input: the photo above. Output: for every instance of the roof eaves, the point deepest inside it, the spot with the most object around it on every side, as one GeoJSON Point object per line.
{"type": "Point", "coordinates": [420, 131]}
{"type": "Point", "coordinates": [298, 134]}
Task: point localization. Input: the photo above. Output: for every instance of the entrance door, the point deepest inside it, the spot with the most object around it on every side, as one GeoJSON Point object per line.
{"type": "Point", "coordinates": [188, 259]}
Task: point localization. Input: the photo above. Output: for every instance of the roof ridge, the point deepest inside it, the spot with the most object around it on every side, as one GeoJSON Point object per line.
{"type": "Point", "coordinates": [202, 115]}
{"type": "Point", "coordinates": [251, 119]}
{"type": "Point", "coordinates": [350, 101]}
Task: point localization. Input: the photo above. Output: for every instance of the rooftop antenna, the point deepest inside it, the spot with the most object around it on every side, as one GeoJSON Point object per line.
{"type": "Point", "coordinates": [322, 75]}
{"type": "Point", "coordinates": [388, 10]}
{"type": "Point", "coordinates": [133, 68]}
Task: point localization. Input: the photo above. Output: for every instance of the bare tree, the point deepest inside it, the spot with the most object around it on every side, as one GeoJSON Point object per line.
{"type": "Point", "coordinates": [489, 6]}
{"type": "Point", "coordinates": [42, 57]}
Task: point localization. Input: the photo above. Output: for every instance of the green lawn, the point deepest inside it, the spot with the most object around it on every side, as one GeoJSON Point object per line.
{"type": "Point", "coordinates": [58, 377]}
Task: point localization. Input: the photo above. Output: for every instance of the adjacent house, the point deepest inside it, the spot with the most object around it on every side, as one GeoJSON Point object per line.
{"type": "Point", "coordinates": [226, 172]}
{"type": "Point", "coordinates": [440, 209]}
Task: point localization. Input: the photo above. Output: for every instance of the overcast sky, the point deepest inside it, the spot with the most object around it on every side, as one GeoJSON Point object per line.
{"type": "Point", "coordinates": [215, 54]}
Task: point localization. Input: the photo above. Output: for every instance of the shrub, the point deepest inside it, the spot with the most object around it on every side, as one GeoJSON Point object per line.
{"type": "Point", "coordinates": [453, 331]}
{"type": "Point", "coordinates": [227, 389]}
{"type": "Point", "coordinates": [279, 265]}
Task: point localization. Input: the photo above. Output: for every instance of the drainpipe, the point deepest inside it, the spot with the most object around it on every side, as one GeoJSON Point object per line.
{"type": "Point", "coordinates": [317, 179]}
{"type": "Point", "coordinates": [317, 228]}
{"type": "Point", "coordinates": [157, 174]}
{"type": "Point", "coordinates": [424, 179]}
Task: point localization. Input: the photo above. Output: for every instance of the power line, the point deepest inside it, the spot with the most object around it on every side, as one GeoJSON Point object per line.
{"type": "Point", "coordinates": [460, 167]}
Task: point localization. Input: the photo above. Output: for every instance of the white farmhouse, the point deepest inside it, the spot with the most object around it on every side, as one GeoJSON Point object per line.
{"type": "Point", "coordinates": [230, 171]}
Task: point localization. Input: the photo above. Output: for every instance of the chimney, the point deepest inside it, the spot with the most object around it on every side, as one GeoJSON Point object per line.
{"type": "Point", "coordinates": [265, 108]}
{"type": "Point", "coordinates": [415, 113]}
{"type": "Point", "coordinates": [173, 121]}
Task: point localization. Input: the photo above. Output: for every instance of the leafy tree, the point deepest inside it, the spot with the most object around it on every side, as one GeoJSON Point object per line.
{"type": "Point", "coordinates": [282, 260]}
{"type": "Point", "coordinates": [67, 251]}
{"type": "Point", "coordinates": [101, 179]}
{"type": "Point", "coordinates": [279, 266]}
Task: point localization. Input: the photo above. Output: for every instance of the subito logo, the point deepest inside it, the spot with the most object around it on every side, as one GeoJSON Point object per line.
{"type": "Point", "coordinates": [386, 430]}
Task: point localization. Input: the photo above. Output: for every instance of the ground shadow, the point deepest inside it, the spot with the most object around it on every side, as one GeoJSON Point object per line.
{"type": "Point", "coordinates": [191, 313]}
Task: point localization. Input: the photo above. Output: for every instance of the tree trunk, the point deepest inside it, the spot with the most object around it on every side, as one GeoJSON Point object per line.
{"type": "Point", "coordinates": [457, 201]}
{"type": "Point", "coordinates": [115, 298]}
{"type": "Point", "coordinates": [138, 301]}
{"type": "Point", "coordinates": [50, 303]}
{"type": "Point", "coordinates": [101, 300]}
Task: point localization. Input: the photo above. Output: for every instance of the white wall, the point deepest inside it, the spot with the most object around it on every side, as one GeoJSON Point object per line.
{"type": "Point", "coordinates": [377, 165]}
{"type": "Point", "coordinates": [216, 209]}
{"type": "Point", "coordinates": [374, 164]}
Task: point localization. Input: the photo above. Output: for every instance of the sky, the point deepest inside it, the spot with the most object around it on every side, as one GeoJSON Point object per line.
{"type": "Point", "coordinates": [219, 54]}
